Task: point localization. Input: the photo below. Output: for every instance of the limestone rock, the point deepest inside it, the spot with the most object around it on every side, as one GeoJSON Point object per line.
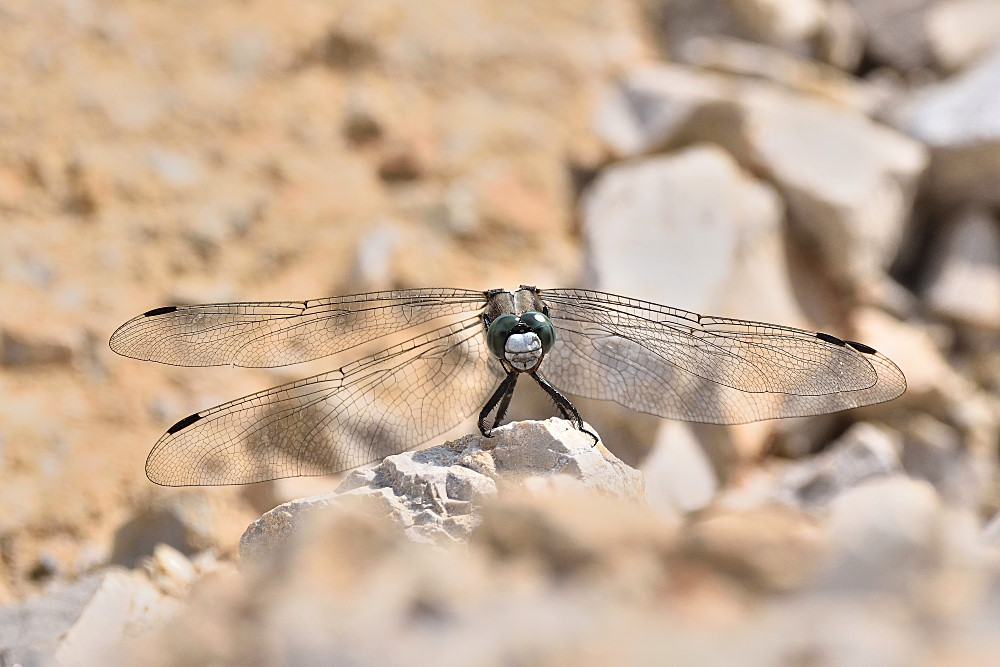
{"type": "Point", "coordinates": [938, 453]}
{"type": "Point", "coordinates": [650, 105]}
{"type": "Point", "coordinates": [764, 63]}
{"type": "Point", "coordinates": [962, 31]}
{"type": "Point", "coordinates": [847, 181]}
{"type": "Point", "coordinates": [959, 119]}
{"type": "Point", "coordinates": [679, 474]}
{"type": "Point", "coordinates": [863, 453]}
{"type": "Point", "coordinates": [690, 230]}
{"type": "Point", "coordinates": [434, 494]}
{"type": "Point", "coordinates": [801, 27]}
{"type": "Point", "coordinates": [183, 521]}
{"type": "Point", "coordinates": [963, 281]}
{"type": "Point", "coordinates": [775, 547]}
{"type": "Point", "coordinates": [897, 32]}
{"type": "Point", "coordinates": [84, 623]}
{"type": "Point", "coordinates": [885, 536]}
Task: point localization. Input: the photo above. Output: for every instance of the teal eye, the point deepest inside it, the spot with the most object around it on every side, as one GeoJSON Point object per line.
{"type": "Point", "coordinates": [500, 329]}
{"type": "Point", "coordinates": [541, 326]}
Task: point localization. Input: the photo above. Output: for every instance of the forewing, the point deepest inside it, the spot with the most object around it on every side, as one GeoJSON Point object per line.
{"type": "Point", "coordinates": [682, 365]}
{"type": "Point", "coordinates": [279, 333]}
{"type": "Point", "coordinates": [363, 412]}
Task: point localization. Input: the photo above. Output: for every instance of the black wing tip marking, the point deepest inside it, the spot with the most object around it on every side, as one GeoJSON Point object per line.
{"type": "Point", "coordinates": [162, 310]}
{"type": "Point", "coordinates": [830, 339]}
{"type": "Point", "coordinates": [861, 347]}
{"type": "Point", "coordinates": [184, 423]}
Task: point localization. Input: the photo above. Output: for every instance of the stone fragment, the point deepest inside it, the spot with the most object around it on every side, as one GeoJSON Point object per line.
{"type": "Point", "coordinates": [963, 278]}
{"type": "Point", "coordinates": [170, 569]}
{"type": "Point", "coordinates": [848, 182]}
{"type": "Point", "coordinates": [19, 350]}
{"type": "Point", "coordinates": [650, 105]}
{"type": "Point", "coordinates": [884, 535]}
{"type": "Point", "coordinates": [773, 547]}
{"type": "Point", "coordinates": [768, 63]}
{"type": "Point", "coordinates": [842, 40]}
{"type": "Point", "coordinates": [897, 31]}
{"type": "Point", "coordinates": [690, 230]}
{"type": "Point", "coordinates": [959, 120]}
{"type": "Point", "coordinates": [84, 623]}
{"type": "Point", "coordinates": [679, 475]}
{"type": "Point", "coordinates": [962, 31]}
{"type": "Point", "coordinates": [435, 494]}
{"type": "Point", "coordinates": [863, 453]}
{"type": "Point", "coordinates": [793, 25]}
{"type": "Point", "coordinates": [184, 522]}
{"type": "Point", "coordinates": [936, 452]}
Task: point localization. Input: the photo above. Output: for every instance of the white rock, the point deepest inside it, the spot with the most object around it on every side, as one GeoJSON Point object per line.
{"type": "Point", "coordinates": [959, 119]}
{"type": "Point", "coordinates": [897, 34]}
{"type": "Point", "coordinates": [434, 494]}
{"type": "Point", "coordinates": [650, 105]}
{"type": "Point", "coordinates": [85, 623]}
{"type": "Point", "coordinates": [781, 22]}
{"type": "Point", "coordinates": [797, 26]}
{"type": "Point", "coordinates": [962, 31]}
{"type": "Point", "coordinates": [936, 452]}
{"type": "Point", "coordinates": [690, 230]}
{"type": "Point", "coordinates": [842, 42]}
{"type": "Point", "coordinates": [963, 281]}
{"type": "Point", "coordinates": [883, 535]}
{"type": "Point", "coordinates": [848, 182]}
{"type": "Point", "coordinates": [171, 569]}
{"type": "Point", "coordinates": [863, 453]}
{"type": "Point", "coordinates": [679, 475]}
{"type": "Point", "coordinates": [753, 61]}
{"type": "Point", "coordinates": [991, 531]}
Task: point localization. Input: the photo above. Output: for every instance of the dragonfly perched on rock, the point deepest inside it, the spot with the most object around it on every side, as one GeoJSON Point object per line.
{"type": "Point", "coordinates": [469, 349]}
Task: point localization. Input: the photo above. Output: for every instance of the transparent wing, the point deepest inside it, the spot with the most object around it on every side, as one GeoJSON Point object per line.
{"type": "Point", "coordinates": [363, 412]}
{"type": "Point", "coordinates": [279, 333]}
{"type": "Point", "coordinates": [682, 365]}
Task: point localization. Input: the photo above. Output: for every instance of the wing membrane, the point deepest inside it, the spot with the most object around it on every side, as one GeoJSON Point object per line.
{"type": "Point", "coordinates": [363, 412]}
{"type": "Point", "coordinates": [280, 333]}
{"type": "Point", "coordinates": [681, 365]}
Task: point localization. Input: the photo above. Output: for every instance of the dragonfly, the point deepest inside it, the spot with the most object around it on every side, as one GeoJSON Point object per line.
{"type": "Point", "coordinates": [469, 349]}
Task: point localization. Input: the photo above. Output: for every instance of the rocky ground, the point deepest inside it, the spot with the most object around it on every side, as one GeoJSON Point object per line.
{"type": "Point", "coordinates": [831, 164]}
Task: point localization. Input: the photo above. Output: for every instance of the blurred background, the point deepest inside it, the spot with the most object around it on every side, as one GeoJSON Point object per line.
{"type": "Point", "coordinates": [829, 164]}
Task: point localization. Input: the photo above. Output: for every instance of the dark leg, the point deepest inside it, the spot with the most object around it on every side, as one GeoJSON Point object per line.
{"type": "Point", "coordinates": [502, 397]}
{"type": "Point", "coordinates": [563, 403]}
{"type": "Point", "coordinates": [504, 404]}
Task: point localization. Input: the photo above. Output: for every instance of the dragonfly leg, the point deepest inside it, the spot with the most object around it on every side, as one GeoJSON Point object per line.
{"type": "Point", "coordinates": [499, 400]}
{"type": "Point", "coordinates": [565, 406]}
{"type": "Point", "coordinates": [504, 403]}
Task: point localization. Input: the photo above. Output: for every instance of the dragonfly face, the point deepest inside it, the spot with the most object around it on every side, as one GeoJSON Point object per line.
{"type": "Point", "coordinates": [466, 352]}
{"type": "Point", "coordinates": [521, 341]}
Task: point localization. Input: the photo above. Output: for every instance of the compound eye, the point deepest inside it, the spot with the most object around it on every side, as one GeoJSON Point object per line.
{"type": "Point", "coordinates": [541, 326]}
{"type": "Point", "coordinates": [498, 333]}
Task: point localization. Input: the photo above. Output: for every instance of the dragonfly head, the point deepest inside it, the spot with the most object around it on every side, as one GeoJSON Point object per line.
{"type": "Point", "coordinates": [521, 341]}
